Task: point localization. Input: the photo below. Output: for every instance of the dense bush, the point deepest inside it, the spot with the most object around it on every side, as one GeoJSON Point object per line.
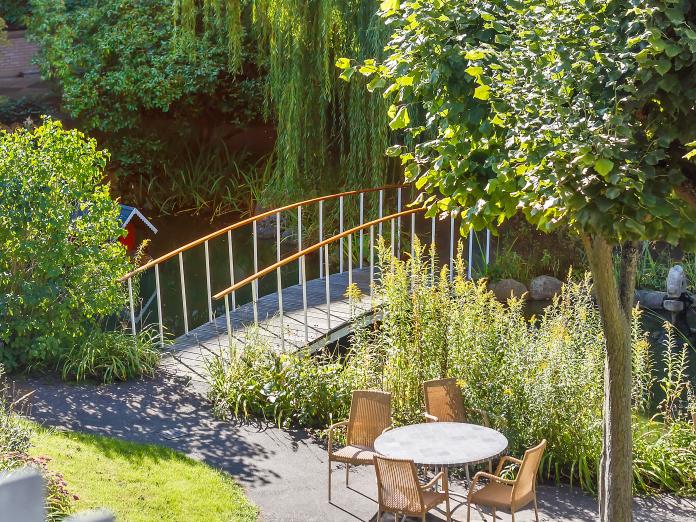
{"type": "Point", "coordinates": [60, 260]}
{"type": "Point", "coordinates": [539, 378]}
{"type": "Point", "coordinates": [126, 75]}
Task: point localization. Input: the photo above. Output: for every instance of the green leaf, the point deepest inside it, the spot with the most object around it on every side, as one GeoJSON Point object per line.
{"type": "Point", "coordinates": [603, 166]}
{"type": "Point", "coordinates": [482, 92]}
{"type": "Point", "coordinates": [343, 63]}
{"type": "Point", "coordinates": [401, 119]}
{"type": "Point", "coordinates": [475, 71]}
{"type": "Point", "coordinates": [663, 66]}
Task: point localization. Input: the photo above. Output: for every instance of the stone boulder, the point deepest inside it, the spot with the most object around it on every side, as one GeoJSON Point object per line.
{"type": "Point", "coordinates": [651, 299]}
{"type": "Point", "coordinates": [544, 287]}
{"type": "Point", "coordinates": [506, 288]}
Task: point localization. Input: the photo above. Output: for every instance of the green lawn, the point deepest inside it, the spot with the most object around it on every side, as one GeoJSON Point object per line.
{"type": "Point", "coordinates": [141, 482]}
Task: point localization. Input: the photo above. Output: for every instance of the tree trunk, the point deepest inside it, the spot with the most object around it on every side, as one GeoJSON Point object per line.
{"type": "Point", "coordinates": [615, 304]}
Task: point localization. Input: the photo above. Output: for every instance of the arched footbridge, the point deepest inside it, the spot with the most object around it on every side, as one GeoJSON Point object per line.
{"type": "Point", "coordinates": [297, 300]}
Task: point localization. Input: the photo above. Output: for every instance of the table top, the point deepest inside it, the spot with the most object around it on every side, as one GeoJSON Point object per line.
{"type": "Point", "coordinates": [442, 443]}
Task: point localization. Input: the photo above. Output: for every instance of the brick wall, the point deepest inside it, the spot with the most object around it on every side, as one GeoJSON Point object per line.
{"type": "Point", "coordinates": [16, 55]}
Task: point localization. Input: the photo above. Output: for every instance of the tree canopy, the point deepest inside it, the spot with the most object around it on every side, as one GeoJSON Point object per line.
{"type": "Point", "coordinates": [571, 112]}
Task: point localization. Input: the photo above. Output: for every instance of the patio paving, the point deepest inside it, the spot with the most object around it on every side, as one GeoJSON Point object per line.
{"type": "Point", "coordinates": [283, 472]}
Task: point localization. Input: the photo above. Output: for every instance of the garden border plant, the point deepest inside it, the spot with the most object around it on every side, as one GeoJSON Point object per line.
{"type": "Point", "coordinates": [540, 378]}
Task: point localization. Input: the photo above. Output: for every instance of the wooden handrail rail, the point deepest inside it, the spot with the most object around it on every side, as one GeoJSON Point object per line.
{"type": "Point", "coordinates": [249, 220]}
{"type": "Point", "coordinates": [309, 250]}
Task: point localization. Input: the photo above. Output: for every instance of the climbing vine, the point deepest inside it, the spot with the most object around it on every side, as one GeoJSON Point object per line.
{"type": "Point", "coordinates": [323, 124]}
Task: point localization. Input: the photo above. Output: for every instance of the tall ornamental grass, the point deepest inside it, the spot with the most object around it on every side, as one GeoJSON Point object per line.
{"type": "Point", "coordinates": [539, 377]}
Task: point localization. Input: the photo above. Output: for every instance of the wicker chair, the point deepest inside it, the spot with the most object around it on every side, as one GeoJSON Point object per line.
{"type": "Point", "coordinates": [444, 403]}
{"type": "Point", "coordinates": [400, 492]}
{"type": "Point", "coordinates": [370, 416]}
{"type": "Point", "coordinates": [505, 493]}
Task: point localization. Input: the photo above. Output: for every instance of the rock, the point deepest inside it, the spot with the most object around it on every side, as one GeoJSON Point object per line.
{"type": "Point", "coordinates": [676, 281]}
{"type": "Point", "coordinates": [544, 287]}
{"type": "Point", "coordinates": [506, 288]}
{"type": "Point", "coordinates": [651, 299]}
{"type": "Point", "coordinates": [673, 305]}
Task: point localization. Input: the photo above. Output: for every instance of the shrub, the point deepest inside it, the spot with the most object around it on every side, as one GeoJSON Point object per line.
{"type": "Point", "coordinates": [60, 259]}
{"type": "Point", "coordinates": [126, 74]}
{"type": "Point", "coordinates": [539, 378]}
{"type": "Point", "coordinates": [110, 356]}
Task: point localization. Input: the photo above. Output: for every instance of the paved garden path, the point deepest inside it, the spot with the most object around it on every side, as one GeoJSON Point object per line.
{"type": "Point", "coordinates": [283, 472]}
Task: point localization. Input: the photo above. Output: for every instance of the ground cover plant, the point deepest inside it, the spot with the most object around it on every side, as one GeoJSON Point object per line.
{"type": "Point", "coordinates": [539, 378]}
{"type": "Point", "coordinates": [61, 262]}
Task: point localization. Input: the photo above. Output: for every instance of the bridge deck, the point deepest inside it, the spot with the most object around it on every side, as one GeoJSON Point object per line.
{"type": "Point", "coordinates": [188, 355]}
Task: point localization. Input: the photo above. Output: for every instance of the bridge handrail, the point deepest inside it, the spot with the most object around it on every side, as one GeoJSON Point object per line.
{"type": "Point", "coordinates": [249, 220]}
{"type": "Point", "coordinates": [311, 249]}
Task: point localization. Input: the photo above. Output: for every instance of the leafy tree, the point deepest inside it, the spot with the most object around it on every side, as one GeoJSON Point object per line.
{"type": "Point", "coordinates": [129, 80]}
{"type": "Point", "coordinates": [572, 113]}
{"type": "Point", "coordinates": [60, 259]}
{"type": "Point", "coordinates": [321, 122]}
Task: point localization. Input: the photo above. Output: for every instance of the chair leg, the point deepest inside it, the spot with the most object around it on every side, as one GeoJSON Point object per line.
{"type": "Point", "coordinates": [447, 506]}
{"type": "Point", "coordinates": [468, 511]}
{"type": "Point", "coordinates": [423, 517]}
{"type": "Point", "coordinates": [536, 511]}
{"type": "Point", "coordinates": [329, 480]}
{"type": "Point", "coordinates": [513, 516]}
{"type": "Point", "coordinates": [379, 516]}
{"type": "Point", "coordinates": [494, 517]}
{"type": "Point", "coordinates": [347, 472]}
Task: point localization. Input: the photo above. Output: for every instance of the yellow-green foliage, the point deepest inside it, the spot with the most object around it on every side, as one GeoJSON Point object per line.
{"type": "Point", "coordinates": [317, 115]}
{"type": "Point", "coordinates": [538, 378]}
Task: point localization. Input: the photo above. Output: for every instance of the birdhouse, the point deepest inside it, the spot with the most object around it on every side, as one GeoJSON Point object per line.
{"type": "Point", "coordinates": [134, 232]}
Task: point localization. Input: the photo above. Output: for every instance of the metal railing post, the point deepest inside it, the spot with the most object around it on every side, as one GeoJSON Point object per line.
{"type": "Point", "coordinates": [398, 222]}
{"type": "Point", "coordinates": [328, 288]}
{"type": "Point", "coordinates": [451, 249]}
{"type": "Point", "coordinates": [299, 240]}
{"type": "Point", "coordinates": [159, 306]}
{"type": "Point", "coordinates": [255, 283]}
{"type": "Point", "coordinates": [432, 250]}
{"type": "Point", "coordinates": [381, 203]}
{"type": "Point", "coordinates": [183, 292]}
{"type": "Point", "coordinates": [304, 298]}
{"type": "Point", "coordinates": [391, 239]}
{"type": "Point", "coordinates": [321, 238]}
{"type": "Point", "coordinates": [362, 220]}
{"type": "Point", "coordinates": [471, 252]}
{"type": "Point", "coordinates": [280, 284]}
{"type": "Point", "coordinates": [488, 246]}
{"type": "Point", "coordinates": [350, 259]}
{"type": "Point", "coordinates": [340, 231]}
{"type": "Point", "coordinates": [228, 318]}
{"type": "Point", "coordinates": [413, 233]}
{"type": "Point", "coordinates": [207, 281]}
{"type": "Point", "coordinates": [132, 306]}
{"type": "Point", "coordinates": [372, 257]}
{"type": "Point", "coordinates": [230, 254]}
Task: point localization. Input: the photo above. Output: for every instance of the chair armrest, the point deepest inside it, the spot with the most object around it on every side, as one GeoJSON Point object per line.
{"type": "Point", "coordinates": [331, 430]}
{"type": "Point", "coordinates": [434, 480]}
{"type": "Point", "coordinates": [505, 459]}
{"type": "Point", "coordinates": [490, 476]}
{"type": "Point", "coordinates": [431, 418]}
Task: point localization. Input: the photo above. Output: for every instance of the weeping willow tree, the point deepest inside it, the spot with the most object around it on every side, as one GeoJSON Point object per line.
{"type": "Point", "coordinates": [330, 133]}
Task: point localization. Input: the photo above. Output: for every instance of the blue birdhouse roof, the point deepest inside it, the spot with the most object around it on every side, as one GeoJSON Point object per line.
{"type": "Point", "coordinates": [128, 213]}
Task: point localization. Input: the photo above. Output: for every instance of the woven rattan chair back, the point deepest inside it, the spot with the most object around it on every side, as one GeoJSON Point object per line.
{"type": "Point", "coordinates": [443, 399]}
{"type": "Point", "coordinates": [526, 476]}
{"type": "Point", "coordinates": [370, 415]}
{"type": "Point", "coordinates": [398, 488]}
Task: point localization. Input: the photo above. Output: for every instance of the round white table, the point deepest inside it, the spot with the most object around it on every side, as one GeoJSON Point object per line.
{"type": "Point", "coordinates": [442, 444]}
